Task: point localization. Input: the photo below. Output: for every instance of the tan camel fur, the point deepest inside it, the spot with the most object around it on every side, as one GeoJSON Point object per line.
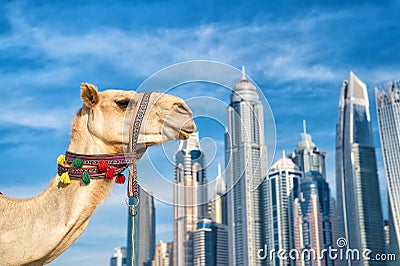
{"type": "Point", "coordinates": [36, 231]}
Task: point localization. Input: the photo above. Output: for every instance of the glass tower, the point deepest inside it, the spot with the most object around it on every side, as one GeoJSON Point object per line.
{"type": "Point", "coordinates": [119, 257]}
{"type": "Point", "coordinates": [388, 111]}
{"type": "Point", "coordinates": [314, 204]}
{"type": "Point", "coordinates": [358, 196]}
{"type": "Point", "coordinates": [145, 230]}
{"type": "Point", "coordinates": [210, 244]}
{"type": "Point", "coordinates": [246, 160]}
{"type": "Point", "coordinates": [190, 197]}
{"type": "Point", "coordinates": [280, 190]}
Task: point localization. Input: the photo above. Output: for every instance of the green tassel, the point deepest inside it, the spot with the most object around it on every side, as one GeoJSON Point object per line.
{"type": "Point", "coordinates": [77, 163]}
{"type": "Point", "coordinates": [86, 177]}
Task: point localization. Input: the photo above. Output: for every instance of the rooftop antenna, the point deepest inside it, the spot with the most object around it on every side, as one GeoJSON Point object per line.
{"type": "Point", "coordinates": [219, 170]}
{"type": "Point", "coordinates": [243, 73]}
{"type": "Point", "coordinates": [304, 127]}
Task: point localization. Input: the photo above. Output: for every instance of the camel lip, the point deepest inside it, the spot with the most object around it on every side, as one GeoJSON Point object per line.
{"type": "Point", "coordinates": [184, 134]}
{"type": "Point", "coordinates": [153, 143]}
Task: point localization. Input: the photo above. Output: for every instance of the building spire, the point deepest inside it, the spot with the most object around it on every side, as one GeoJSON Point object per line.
{"type": "Point", "coordinates": [220, 187]}
{"type": "Point", "coordinates": [243, 73]}
{"type": "Point", "coordinates": [304, 126]}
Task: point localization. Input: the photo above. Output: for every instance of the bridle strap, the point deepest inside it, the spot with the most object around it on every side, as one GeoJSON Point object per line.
{"type": "Point", "coordinates": [132, 190]}
{"type": "Point", "coordinates": [91, 170]}
{"type": "Point", "coordinates": [94, 159]}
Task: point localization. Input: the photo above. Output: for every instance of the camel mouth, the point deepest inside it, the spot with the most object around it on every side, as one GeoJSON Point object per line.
{"type": "Point", "coordinates": [184, 134]}
{"type": "Point", "coordinates": [187, 129]}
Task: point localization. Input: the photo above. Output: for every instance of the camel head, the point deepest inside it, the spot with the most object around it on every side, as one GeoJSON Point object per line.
{"type": "Point", "coordinates": [109, 115]}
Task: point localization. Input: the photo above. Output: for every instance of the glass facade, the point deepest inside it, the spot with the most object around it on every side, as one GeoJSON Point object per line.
{"type": "Point", "coordinates": [315, 211]}
{"type": "Point", "coordinates": [280, 190]}
{"type": "Point", "coordinates": [190, 197]}
{"type": "Point", "coordinates": [388, 111]}
{"type": "Point", "coordinates": [145, 230]}
{"type": "Point", "coordinates": [119, 257]}
{"type": "Point", "coordinates": [358, 196]}
{"type": "Point", "coordinates": [246, 160]}
{"type": "Point", "coordinates": [210, 244]}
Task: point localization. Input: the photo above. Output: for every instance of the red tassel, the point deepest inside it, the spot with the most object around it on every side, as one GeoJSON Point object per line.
{"type": "Point", "coordinates": [120, 179]}
{"type": "Point", "coordinates": [110, 173]}
{"type": "Point", "coordinates": [102, 166]}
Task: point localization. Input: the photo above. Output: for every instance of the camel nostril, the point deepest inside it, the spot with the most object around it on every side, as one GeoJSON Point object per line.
{"type": "Point", "coordinates": [183, 108]}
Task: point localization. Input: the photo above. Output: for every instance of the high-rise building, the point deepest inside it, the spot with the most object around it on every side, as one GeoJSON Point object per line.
{"type": "Point", "coordinates": [388, 111]}
{"type": "Point", "coordinates": [246, 161]}
{"type": "Point", "coordinates": [190, 197]}
{"type": "Point", "coordinates": [217, 205]}
{"type": "Point", "coordinates": [119, 257]}
{"type": "Point", "coordinates": [337, 232]}
{"type": "Point", "coordinates": [358, 195]}
{"type": "Point", "coordinates": [145, 230]}
{"type": "Point", "coordinates": [280, 190]}
{"type": "Point", "coordinates": [210, 244]}
{"type": "Point", "coordinates": [307, 156]}
{"type": "Point", "coordinates": [314, 203]}
{"type": "Point", "coordinates": [162, 255]}
{"type": "Point", "coordinates": [313, 212]}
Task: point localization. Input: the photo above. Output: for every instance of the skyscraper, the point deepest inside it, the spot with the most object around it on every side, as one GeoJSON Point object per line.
{"type": "Point", "coordinates": [119, 257]}
{"type": "Point", "coordinates": [218, 207]}
{"type": "Point", "coordinates": [145, 230]}
{"type": "Point", "coordinates": [210, 244]}
{"type": "Point", "coordinates": [358, 196]}
{"type": "Point", "coordinates": [246, 161]}
{"type": "Point", "coordinates": [280, 190]}
{"type": "Point", "coordinates": [307, 156]}
{"type": "Point", "coordinates": [190, 197]}
{"type": "Point", "coordinates": [388, 111]}
{"type": "Point", "coordinates": [162, 254]}
{"type": "Point", "coordinates": [314, 204]}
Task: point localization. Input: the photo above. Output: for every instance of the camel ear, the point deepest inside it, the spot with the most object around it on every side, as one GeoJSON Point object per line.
{"type": "Point", "coordinates": [89, 95]}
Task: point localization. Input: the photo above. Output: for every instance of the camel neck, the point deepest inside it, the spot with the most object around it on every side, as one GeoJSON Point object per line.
{"type": "Point", "coordinates": [83, 141]}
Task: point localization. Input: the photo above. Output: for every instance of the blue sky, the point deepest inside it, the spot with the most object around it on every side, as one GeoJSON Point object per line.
{"type": "Point", "coordinates": [298, 52]}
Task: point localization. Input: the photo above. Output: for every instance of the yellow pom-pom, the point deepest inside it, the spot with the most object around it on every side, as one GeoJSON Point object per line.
{"type": "Point", "coordinates": [65, 178]}
{"type": "Point", "coordinates": [61, 160]}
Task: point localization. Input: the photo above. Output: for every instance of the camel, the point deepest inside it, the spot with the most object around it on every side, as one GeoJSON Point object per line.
{"type": "Point", "coordinates": [35, 231]}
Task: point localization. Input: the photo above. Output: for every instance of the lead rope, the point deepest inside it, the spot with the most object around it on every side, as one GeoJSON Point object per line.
{"type": "Point", "coordinates": [132, 189]}
{"type": "Point", "coordinates": [133, 240]}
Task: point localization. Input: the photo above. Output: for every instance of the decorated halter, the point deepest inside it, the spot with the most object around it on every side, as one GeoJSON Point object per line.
{"type": "Point", "coordinates": [108, 166]}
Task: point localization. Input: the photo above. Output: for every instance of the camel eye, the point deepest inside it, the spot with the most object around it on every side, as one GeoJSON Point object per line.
{"type": "Point", "coordinates": [123, 104]}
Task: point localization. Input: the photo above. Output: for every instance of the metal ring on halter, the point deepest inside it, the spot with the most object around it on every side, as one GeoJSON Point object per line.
{"type": "Point", "coordinates": [132, 211]}
{"type": "Point", "coordinates": [132, 207]}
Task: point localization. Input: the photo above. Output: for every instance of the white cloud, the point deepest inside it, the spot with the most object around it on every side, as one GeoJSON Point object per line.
{"type": "Point", "coordinates": [59, 120]}
{"type": "Point", "coordinates": [142, 53]}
